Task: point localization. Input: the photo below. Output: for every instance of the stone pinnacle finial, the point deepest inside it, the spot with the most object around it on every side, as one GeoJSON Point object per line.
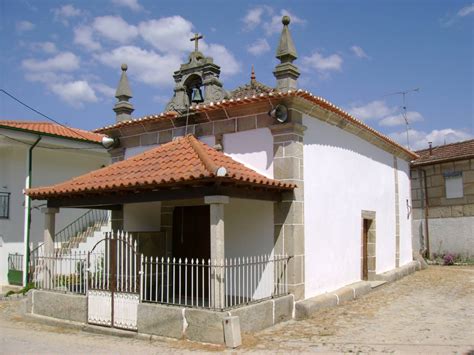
{"type": "Point", "coordinates": [253, 77]}
{"type": "Point", "coordinates": [123, 108]}
{"type": "Point", "coordinates": [286, 72]}
{"type": "Point", "coordinates": [286, 51]}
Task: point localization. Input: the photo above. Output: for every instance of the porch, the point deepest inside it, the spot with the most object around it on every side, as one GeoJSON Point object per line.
{"type": "Point", "coordinates": [193, 228]}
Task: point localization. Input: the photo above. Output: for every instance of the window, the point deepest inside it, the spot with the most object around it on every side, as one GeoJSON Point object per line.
{"type": "Point", "coordinates": [453, 184]}
{"type": "Point", "coordinates": [4, 204]}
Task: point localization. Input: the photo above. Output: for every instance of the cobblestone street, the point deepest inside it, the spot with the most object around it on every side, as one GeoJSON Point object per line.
{"type": "Point", "coordinates": [430, 311]}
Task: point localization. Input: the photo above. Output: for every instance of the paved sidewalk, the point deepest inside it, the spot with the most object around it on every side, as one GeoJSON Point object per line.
{"type": "Point", "coordinates": [431, 311]}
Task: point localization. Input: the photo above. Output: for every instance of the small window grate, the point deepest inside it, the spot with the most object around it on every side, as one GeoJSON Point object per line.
{"type": "Point", "coordinates": [4, 204]}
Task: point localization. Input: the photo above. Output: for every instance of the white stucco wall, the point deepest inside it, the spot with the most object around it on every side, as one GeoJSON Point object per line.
{"type": "Point", "coordinates": [404, 194]}
{"type": "Point", "coordinates": [344, 175]}
{"type": "Point", "coordinates": [142, 217]}
{"type": "Point", "coordinates": [447, 235]}
{"type": "Point", "coordinates": [50, 166]}
{"type": "Point", "coordinates": [253, 148]}
{"type": "Point", "coordinates": [249, 232]}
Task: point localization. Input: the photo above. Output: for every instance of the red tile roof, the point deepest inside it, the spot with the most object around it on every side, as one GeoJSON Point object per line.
{"type": "Point", "coordinates": [259, 98]}
{"type": "Point", "coordinates": [184, 160]}
{"type": "Point", "coordinates": [52, 129]}
{"type": "Point", "coordinates": [448, 152]}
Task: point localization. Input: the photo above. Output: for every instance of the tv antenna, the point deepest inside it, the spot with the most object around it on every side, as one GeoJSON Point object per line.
{"type": "Point", "coordinates": [404, 109]}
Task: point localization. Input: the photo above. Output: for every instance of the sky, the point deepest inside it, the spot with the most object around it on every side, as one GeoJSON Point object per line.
{"type": "Point", "coordinates": [63, 57]}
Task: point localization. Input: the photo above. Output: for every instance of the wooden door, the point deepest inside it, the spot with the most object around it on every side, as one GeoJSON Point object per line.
{"type": "Point", "coordinates": [365, 237]}
{"type": "Point", "coordinates": [192, 232]}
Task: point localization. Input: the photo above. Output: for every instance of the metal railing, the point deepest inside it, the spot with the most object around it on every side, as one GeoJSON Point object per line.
{"type": "Point", "coordinates": [15, 269]}
{"type": "Point", "coordinates": [67, 273]}
{"type": "Point", "coordinates": [213, 284]}
{"type": "Point", "coordinates": [75, 232]}
{"type": "Point", "coordinates": [15, 262]}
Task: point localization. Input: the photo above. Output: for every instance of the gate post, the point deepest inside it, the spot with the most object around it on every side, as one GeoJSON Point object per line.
{"type": "Point", "coordinates": [113, 272]}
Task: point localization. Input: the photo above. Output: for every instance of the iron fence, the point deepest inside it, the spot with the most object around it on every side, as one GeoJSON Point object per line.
{"type": "Point", "coordinates": [67, 273]}
{"type": "Point", "coordinates": [213, 284]}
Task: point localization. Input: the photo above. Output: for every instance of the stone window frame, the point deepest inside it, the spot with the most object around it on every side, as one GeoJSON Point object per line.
{"type": "Point", "coordinates": [371, 246]}
{"type": "Point", "coordinates": [454, 177]}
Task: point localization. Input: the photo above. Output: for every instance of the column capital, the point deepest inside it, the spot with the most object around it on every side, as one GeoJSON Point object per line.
{"type": "Point", "coordinates": [218, 199]}
{"type": "Point", "coordinates": [49, 210]}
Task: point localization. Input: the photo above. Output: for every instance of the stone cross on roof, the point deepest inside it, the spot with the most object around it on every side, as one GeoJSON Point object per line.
{"type": "Point", "coordinates": [196, 39]}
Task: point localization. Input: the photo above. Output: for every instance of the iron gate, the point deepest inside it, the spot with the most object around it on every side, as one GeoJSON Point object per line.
{"type": "Point", "coordinates": [114, 282]}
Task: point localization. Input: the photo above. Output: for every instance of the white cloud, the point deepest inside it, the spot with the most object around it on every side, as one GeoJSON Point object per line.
{"type": "Point", "coordinates": [47, 77]}
{"type": "Point", "coordinates": [84, 36]}
{"type": "Point", "coordinates": [322, 64]}
{"type": "Point", "coordinates": [268, 19]}
{"type": "Point", "coordinates": [399, 120]}
{"type": "Point", "coordinates": [105, 90]}
{"type": "Point", "coordinates": [467, 10]}
{"type": "Point", "coordinates": [131, 4]}
{"type": "Point", "coordinates": [115, 28]}
{"type": "Point", "coordinates": [146, 66]}
{"type": "Point", "coordinates": [24, 26]}
{"type": "Point", "coordinates": [229, 65]}
{"type": "Point", "coordinates": [65, 61]}
{"type": "Point", "coordinates": [259, 47]}
{"type": "Point", "coordinates": [168, 34]}
{"type": "Point", "coordinates": [419, 139]}
{"type": "Point", "coordinates": [65, 12]}
{"type": "Point", "coordinates": [275, 26]}
{"type": "Point", "coordinates": [75, 93]}
{"type": "Point", "coordinates": [359, 52]}
{"type": "Point", "coordinates": [253, 18]}
{"type": "Point", "coordinates": [46, 47]}
{"type": "Point", "coordinates": [373, 110]}
{"type": "Point", "coordinates": [450, 19]}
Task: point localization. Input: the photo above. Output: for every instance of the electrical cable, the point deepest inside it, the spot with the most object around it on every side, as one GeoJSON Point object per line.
{"type": "Point", "coordinates": [42, 114]}
{"type": "Point", "coordinates": [42, 146]}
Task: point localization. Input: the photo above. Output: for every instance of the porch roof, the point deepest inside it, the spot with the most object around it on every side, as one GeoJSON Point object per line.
{"type": "Point", "coordinates": [184, 162]}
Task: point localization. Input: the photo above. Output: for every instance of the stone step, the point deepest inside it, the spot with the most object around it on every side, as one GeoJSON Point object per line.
{"type": "Point", "coordinates": [375, 284]}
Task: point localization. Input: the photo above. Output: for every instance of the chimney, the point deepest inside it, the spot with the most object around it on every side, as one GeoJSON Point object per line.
{"type": "Point", "coordinates": [286, 72]}
{"type": "Point", "coordinates": [431, 148]}
{"type": "Point", "coordinates": [123, 109]}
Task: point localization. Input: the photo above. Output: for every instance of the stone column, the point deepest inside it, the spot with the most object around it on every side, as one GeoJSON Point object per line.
{"type": "Point", "coordinates": [289, 213]}
{"type": "Point", "coordinates": [49, 229]}
{"type": "Point", "coordinates": [217, 248]}
{"type": "Point", "coordinates": [48, 246]}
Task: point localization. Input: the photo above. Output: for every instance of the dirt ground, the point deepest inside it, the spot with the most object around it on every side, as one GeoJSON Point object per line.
{"type": "Point", "coordinates": [431, 311]}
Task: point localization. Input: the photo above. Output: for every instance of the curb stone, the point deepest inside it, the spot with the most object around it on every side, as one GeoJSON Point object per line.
{"type": "Point", "coordinates": [304, 309]}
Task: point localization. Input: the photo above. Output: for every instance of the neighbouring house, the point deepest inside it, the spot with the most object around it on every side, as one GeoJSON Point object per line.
{"type": "Point", "coordinates": [442, 181]}
{"type": "Point", "coordinates": [45, 153]}
{"type": "Point", "coordinates": [231, 201]}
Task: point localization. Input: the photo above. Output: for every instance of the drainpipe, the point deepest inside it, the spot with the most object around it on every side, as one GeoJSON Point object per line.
{"type": "Point", "coordinates": [428, 254]}
{"type": "Point", "coordinates": [27, 225]}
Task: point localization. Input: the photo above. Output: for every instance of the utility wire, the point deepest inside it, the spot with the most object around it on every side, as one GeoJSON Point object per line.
{"type": "Point", "coordinates": [42, 146]}
{"type": "Point", "coordinates": [42, 114]}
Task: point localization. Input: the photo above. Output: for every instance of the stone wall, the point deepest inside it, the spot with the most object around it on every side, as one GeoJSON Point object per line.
{"type": "Point", "coordinates": [451, 220]}
{"type": "Point", "coordinates": [207, 326]}
{"type": "Point", "coordinates": [439, 205]}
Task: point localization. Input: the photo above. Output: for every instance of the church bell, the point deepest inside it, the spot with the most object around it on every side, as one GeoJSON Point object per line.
{"type": "Point", "coordinates": [196, 96]}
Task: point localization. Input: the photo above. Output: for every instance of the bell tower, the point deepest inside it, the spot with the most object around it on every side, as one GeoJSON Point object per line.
{"type": "Point", "coordinates": [196, 81]}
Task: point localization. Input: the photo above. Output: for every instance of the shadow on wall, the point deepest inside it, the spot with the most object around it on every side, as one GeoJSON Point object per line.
{"type": "Point", "coordinates": [256, 152]}
{"type": "Point", "coordinates": [323, 134]}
